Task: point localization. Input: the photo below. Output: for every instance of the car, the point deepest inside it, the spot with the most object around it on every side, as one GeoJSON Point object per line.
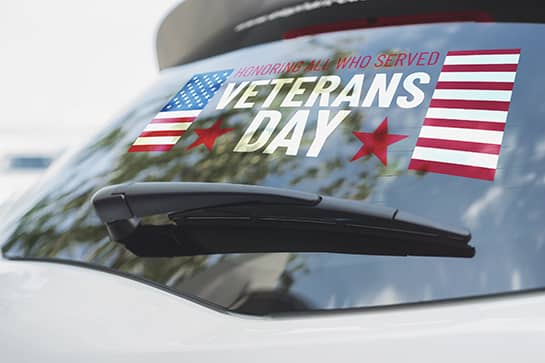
{"type": "Point", "coordinates": [315, 180]}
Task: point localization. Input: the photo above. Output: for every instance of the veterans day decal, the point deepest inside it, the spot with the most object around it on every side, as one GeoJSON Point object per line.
{"type": "Point", "coordinates": [461, 134]}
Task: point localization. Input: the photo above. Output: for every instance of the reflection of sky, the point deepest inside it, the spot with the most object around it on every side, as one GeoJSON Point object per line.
{"type": "Point", "coordinates": [504, 216]}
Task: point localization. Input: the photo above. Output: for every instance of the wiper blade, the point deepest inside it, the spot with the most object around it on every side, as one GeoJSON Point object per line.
{"type": "Point", "coordinates": [213, 218]}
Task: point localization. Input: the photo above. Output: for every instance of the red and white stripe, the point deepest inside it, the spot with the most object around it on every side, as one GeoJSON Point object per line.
{"type": "Point", "coordinates": [164, 131]}
{"type": "Point", "coordinates": [463, 129]}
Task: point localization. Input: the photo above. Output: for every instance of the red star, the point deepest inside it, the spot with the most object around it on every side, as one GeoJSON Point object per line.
{"type": "Point", "coordinates": [207, 137]}
{"type": "Point", "coordinates": [376, 142]}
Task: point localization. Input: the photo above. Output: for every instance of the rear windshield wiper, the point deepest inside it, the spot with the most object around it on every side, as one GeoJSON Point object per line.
{"type": "Point", "coordinates": [215, 218]}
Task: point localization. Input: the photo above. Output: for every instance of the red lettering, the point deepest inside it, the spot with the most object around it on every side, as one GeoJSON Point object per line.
{"type": "Point", "coordinates": [288, 67]}
{"type": "Point", "coordinates": [380, 60]}
{"type": "Point", "coordinates": [421, 58]}
{"type": "Point", "coordinates": [276, 68]}
{"type": "Point", "coordinates": [400, 58]}
{"type": "Point", "coordinates": [341, 62]}
{"type": "Point", "coordinates": [249, 71]}
{"type": "Point", "coordinates": [240, 72]}
{"type": "Point", "coordinates": [297, 66]}
{"type": "Point", "coordinates": [365, 61]}
{"type": "Point", "coordinates": [433, 61]}
{"type": "Point", "coordinates": [354, 62]}
{"type": "Point", "coordinates": [326, 65]}
{"type": "Point", "coordinates": [388, 62]}
{"type": "Point", "coordinates": [412, 58]}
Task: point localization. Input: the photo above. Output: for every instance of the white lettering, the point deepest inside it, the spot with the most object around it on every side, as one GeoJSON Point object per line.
{"type": "Point", "coordinates": [250, 92]}
{"type": "Point", "coordinates": [351, 93]}
{"type": "Point", "coordinates": [296, 90]}
{"type": "Point", "coordinates": [418, 95]}
{"type": "Point", "coordinates": [324, 128]}
{"type": "Point", "coordinates": [296, 126]}
{"type": "Point", "coordinates": [323, 88]}
{"type": "Point", "coordinates": [278, 84]}
{"type": "Point", "coordinates": [245, 144]}
{"type": "Point", "coordinates": [230, 94]}
{"type": "Point", "coordinates": [385, 92]}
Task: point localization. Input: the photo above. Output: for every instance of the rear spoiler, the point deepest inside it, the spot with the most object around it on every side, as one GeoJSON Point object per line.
{"type": "Point", "coordinates": [197, 29]}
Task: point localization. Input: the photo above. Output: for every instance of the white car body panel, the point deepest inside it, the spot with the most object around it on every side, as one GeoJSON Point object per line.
{"type": "Point", "coordinates": [62, 313]}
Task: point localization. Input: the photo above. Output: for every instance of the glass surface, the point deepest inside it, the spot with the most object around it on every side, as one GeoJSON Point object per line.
{"type": "Point", "coordinates": [505, 215]}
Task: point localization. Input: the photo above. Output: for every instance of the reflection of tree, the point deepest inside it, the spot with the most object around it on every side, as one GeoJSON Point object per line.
{"type": "Point", "coordinates": [63, 224]}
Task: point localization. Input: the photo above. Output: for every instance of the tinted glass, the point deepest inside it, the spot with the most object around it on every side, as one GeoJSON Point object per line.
{"type": "Point", "coordinates": [459, 148]}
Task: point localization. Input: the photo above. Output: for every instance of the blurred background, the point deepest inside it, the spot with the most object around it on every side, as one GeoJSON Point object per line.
{"type": "Point", "coordinates": [67, 67]}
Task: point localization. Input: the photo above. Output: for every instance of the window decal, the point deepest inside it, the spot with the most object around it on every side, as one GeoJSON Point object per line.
{"type": "Point", "coordinates": [463, 129]}
{"type": "Point", "coordinates": [461, 134]}
{"type": "Point", "coordinates": [377, 142]}
{"type": "Point", "coordinates": [168, 126]}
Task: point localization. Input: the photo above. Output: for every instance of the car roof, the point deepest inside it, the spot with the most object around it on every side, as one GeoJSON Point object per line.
{"type": "Point", "coordinates": [197, 29]}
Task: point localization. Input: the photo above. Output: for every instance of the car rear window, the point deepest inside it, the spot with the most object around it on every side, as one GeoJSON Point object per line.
{"type": "Point", "coordinates": [441, 120]}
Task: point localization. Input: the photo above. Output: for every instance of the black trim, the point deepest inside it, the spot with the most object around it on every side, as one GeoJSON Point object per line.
{"type": "Point", "coordinates": [415, 305]}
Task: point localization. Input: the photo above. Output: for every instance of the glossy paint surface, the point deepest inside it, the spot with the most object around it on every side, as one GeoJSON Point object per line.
{"type": "Point", "coordinates": [60, 313]}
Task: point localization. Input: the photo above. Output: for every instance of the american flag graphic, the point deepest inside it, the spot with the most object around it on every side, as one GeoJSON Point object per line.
{"type": "Point", "coordinates": [168, 126]}
{"type": "Point", "coordinates": [463, 128]}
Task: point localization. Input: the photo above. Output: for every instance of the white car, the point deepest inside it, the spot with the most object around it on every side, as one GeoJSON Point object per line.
{"type": "Point", "coordinates": [307, 181]}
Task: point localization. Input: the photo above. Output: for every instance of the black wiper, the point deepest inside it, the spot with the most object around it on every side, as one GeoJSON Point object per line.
{"type": "Point", "coordinates": [212, 218]}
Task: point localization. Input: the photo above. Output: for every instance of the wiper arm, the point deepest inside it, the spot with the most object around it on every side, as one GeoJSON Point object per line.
{"type": "Point", "coordinates": [212, 218]}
